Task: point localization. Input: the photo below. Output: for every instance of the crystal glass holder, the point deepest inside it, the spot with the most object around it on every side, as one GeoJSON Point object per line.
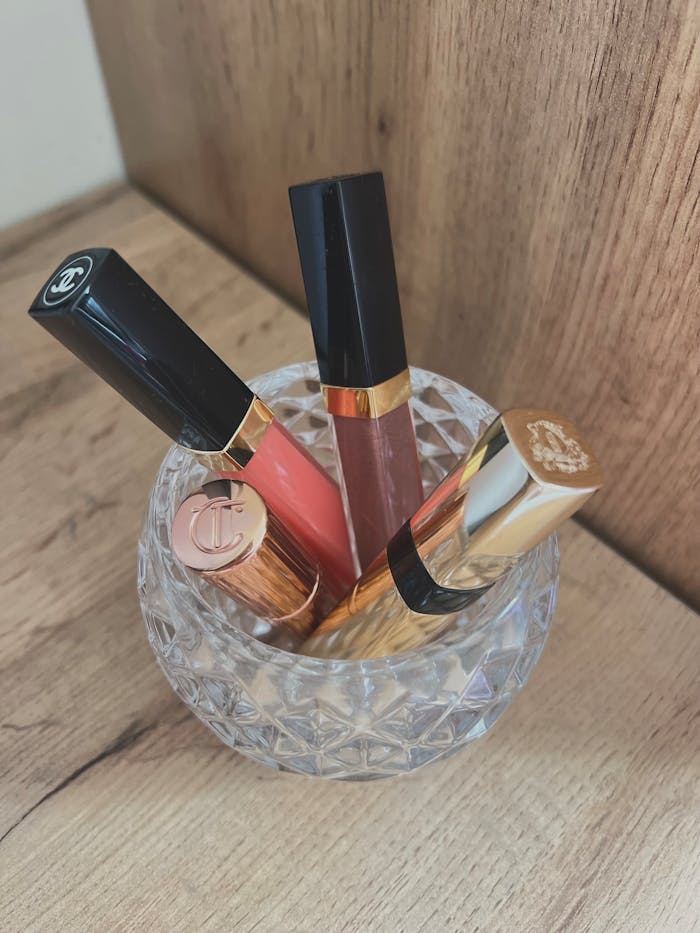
{"type": "Point", "coordinates": [354, 720]}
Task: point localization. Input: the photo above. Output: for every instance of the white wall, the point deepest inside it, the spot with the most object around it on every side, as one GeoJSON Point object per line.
{"type": "Point", "coordinates": [57, 137]}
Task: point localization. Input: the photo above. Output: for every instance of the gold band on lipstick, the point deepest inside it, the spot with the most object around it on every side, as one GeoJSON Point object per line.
{"type": "Point", "coordinates": [369, 402]}
{"type": "Point", "coordinates": [247, 438]}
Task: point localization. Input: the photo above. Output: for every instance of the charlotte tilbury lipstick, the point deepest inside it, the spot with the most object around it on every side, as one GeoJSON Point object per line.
{"type": "Point", "coordinates": [226, 534]}
{"type": "Point", "coordinates": [527, 473]}
{"type": "Point", "coordinates": [102, 310]}
{"type": "Point", "coordinates": [347, 262]}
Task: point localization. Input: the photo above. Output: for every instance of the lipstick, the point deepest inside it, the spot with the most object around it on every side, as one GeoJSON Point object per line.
{"type": "Point", "coordinates": [103, 311]}
{"type": "Point", "coordinates": [347, 262]}
{"type": "Point", "coordinates": [225, 533]}
{"type": "Point", "coordinates": [528, 472]}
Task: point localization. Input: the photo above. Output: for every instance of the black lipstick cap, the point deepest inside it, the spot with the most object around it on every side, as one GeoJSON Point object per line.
{"type": "Point", "coordinates": [347, 262]}
{"type": "Point", "coordinates": [101, 310]}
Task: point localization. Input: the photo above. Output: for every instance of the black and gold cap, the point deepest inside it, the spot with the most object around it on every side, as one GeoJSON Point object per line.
{"type": "Point", "coordinates": [347, 263]}
{"type": "Point", "coordinates": [97, 306]}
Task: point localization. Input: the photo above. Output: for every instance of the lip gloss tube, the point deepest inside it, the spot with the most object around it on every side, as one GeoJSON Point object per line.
{"type": "Point", "coordinates": [225, 533]}
{"type": "Point", "coordinates": [527, 473]}
{"type": "Point", "coordinates": [103, 311]}
{"type": "Point", "coordinates": [347, 262]}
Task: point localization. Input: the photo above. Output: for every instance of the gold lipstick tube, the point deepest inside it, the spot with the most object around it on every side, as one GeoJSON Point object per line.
{"type": "Point", "coordinates": [226, 534]}
{"type": "Point", "coordinates": [527, 473]}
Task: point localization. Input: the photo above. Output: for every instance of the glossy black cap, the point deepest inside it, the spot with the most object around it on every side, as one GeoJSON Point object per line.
{"type": "Point", "coordinates": [347, 262]}
{"type": "Point", "coordinates": [101, 310]}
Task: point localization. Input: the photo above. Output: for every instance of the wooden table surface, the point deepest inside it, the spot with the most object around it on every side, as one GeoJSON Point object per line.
{"type": "Point", "coordinates": [120, 811]}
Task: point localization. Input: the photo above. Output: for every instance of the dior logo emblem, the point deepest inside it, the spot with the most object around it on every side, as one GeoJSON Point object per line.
{"type": "Point", "coordinates": [67, 280]}
{"type": "Point", "coordinates": [554, 449]}
{"type": "Point", "coordinates": [212, 528]}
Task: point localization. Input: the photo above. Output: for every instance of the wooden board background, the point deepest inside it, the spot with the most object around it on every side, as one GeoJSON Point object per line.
{"type": "Point", "coordinates": [119, 811]}
{"type": "Point", "coordinates": [541, 163]}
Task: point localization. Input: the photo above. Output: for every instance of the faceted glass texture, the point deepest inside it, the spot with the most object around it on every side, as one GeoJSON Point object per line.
{"type": "Point", "coordinates": [356, 720]}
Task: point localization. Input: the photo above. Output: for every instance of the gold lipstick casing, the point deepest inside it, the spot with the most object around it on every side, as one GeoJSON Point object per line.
{"type": "Point", "coordinates": [528, 472]}
{"type": "Point", "coordinates": [225, 533]}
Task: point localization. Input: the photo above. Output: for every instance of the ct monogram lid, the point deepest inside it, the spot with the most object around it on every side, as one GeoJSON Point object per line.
{"type": "Point", "coordinates": [347, 261]}
{"type": "Point", "coordinates": [103, 311]}
{"type": "Point", "coordinates": [226, 533]}
{"type": "Point", "coordinates": [528, 472]}
{"type": "Point", "coordinates": [223, 523]}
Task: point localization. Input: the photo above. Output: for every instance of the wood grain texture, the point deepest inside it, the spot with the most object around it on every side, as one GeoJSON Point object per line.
{"type": "Point", "coordinates": [119, 811]}
{"type": "Point", "coordinates": [541, 163]}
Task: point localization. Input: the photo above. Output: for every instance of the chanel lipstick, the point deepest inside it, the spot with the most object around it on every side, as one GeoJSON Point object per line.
{"type": "Point", "coordinates": [347, 262]}
{"type": "Point", "coordinates": [225, 533]}
{"type": "Point", "coordinates": [528, 472]}
{"type": "Point", "coordinates": [98, 307]}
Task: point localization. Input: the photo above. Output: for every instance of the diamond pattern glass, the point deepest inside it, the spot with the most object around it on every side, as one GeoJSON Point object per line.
{"type": "Point", "coordinates": [356, 720]}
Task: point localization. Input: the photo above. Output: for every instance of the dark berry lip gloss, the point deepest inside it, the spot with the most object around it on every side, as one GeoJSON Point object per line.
{"type": "Point", "coordinates": [103, 311]}
{"type": "Point", "coordinates": [347, 262]}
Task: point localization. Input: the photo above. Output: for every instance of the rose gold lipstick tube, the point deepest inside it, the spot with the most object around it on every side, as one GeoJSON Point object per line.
{"type": "Point", "coordinates": [528, 472]}
{"type": "Point", "coordinates": [225, 533]}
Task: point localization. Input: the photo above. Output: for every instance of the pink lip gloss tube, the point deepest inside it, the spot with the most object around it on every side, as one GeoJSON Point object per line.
{"type": "Point", "coordinates": [103, 311]}
{"type": "Point", "coordinates": [347, 262]}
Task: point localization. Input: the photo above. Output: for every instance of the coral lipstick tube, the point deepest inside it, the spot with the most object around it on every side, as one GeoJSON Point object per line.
{"type": "Point", "coordinates": [347, 262]}
{"type": "Point", "coordinates": [104, 312]}
{"type": "Point", "coordinates": [527, 473]}
{"type": "Point", "coordinates": [225, 533]}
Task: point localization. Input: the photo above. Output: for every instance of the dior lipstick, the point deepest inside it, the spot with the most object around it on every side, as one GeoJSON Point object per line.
{"type": "Point", "coordinates": [347, 262]}
{"type": "Point", "coordinates": [528, 472]}
{"type": "Point", "coordinates": [225, 533]}
{"type": "Point", "coordinates": [101, 310]}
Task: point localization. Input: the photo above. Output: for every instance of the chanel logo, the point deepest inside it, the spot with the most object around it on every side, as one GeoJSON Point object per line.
{"type": "Point", "coordinates": [554, 449]}
{"type": "Point", "coordinates": [212, 527]}
{"type": "Point", "coordinates": [67, 280]}
{"type": "Point", "coordinates": [65, 283]}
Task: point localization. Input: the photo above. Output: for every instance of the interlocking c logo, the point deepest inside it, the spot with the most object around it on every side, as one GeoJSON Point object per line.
{"type": "Point", "coordinates": [65, 283]}
{"type": "Point", "coordinates": [67, 280]}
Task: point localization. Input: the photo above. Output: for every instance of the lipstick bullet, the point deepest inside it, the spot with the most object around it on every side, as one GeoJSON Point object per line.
{"type": "Point", "coordinates": [347, 261]}
{"type": "Point", "coordinates": [103, 311]}
{"type": "Point", "coordinates": [527, 473]}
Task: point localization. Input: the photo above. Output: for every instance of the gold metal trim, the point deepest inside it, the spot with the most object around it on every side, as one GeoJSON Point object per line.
{"type": "Point", "coordinates": [248, 437]}
{"type": "Point", "coordinates": [369, 402]}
